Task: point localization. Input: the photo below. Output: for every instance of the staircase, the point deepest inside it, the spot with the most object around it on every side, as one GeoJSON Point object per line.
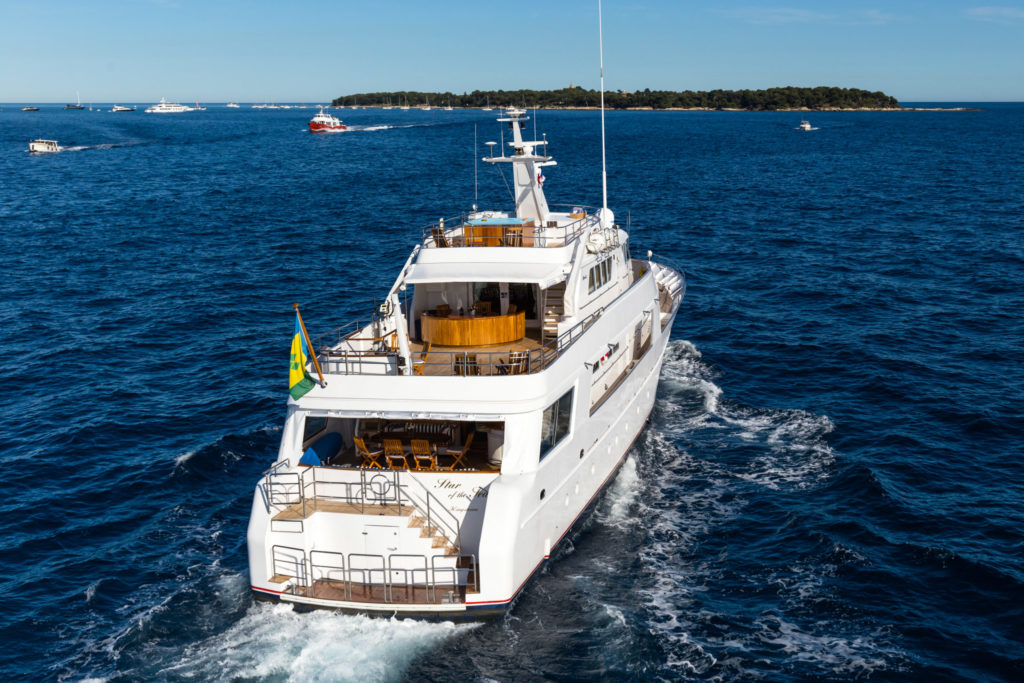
{"type": "Point", "coordinates": [438, 538]}
{"type": "Point", "coordinates": [554, 310]}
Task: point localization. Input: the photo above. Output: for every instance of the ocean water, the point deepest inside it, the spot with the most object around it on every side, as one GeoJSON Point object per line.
{"type": "Point", "coordinates": [830, 486]}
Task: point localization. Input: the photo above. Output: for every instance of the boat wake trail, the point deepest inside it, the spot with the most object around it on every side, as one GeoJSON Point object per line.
{"type": "Point", "coordinates": [106, 145]}
{"type": "Point", "coordinates": [708, 483]}
{"type": "Point", "coordinates": [274, 642]}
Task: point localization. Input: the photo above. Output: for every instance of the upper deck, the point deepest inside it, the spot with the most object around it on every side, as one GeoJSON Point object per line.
{"type": "Point", "coordinates": [495, 229]}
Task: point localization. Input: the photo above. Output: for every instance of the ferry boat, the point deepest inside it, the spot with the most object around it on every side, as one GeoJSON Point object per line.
{"type": "Point", "coordinates": [43, 146]}
{"type": "Point", "coordinates": [433, 459]}
{"type": "Point", "coordinates": [165, 107]}
{"type": "Point", "coordinates": [324, 122]}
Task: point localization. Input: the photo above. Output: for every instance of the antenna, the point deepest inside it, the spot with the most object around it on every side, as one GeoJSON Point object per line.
{"type": "Point", "coordinates": [604, 168]}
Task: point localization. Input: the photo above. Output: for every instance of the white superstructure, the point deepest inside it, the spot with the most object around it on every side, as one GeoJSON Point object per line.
{"type": "Point", "coordinates": [43, 146]}
{"type": "Point", "coordinates": [473, 422]}
{"type": "Point", "coordinates": [165, 107]}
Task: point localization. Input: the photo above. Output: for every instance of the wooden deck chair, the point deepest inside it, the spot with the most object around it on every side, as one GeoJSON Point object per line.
{"type": "Point", "coordinates": [394, 454]}
{"type": "Point", "coordinates": [370, 458]}
{"type": "Point", "coordinates": [458, 454]}
{"type": "Point", "coordinates": [482, 307]}
{"type": "Point", "coordinates": [417, 365]}
{"type": "Point", "coordinates": [518, 362]}
{"type": "Point", "coordinates": [440, 239]}
{"type": "Point", "coordinates": [513, 236]}
{"type": "Point", "coordinates": [465, 365]}
{"type": "Point", "coordinates": [423, 457]}
{"type": "Point", "coordinates": [443, 310]}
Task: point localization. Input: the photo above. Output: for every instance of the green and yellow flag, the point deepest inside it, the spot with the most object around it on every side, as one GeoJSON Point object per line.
{"type": "Point", "coordinates": [299, 381]}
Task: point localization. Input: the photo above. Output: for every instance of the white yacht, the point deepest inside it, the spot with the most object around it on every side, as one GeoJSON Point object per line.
{"type": "Point", "coordinates": [231, 105]}
{"type": "Point", "coordinates": [432, 459]}
{"type": "Point", "coordinates": [805, 125]}
{"type": "Point", "coordinates": [119, 108]}
{"type": "Point", "coordinates": [165, 107]}
{"type": "Point", "coordinates": [43, 146]}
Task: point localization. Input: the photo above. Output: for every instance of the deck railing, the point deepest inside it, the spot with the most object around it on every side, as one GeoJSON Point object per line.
{"type": "Point", "coordinates": [464, 363]}
{"type": "Point", "coordinates": [456, 232]}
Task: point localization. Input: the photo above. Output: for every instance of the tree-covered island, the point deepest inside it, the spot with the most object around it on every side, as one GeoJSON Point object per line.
{"type": "Point", "coordinates": [772, 99]}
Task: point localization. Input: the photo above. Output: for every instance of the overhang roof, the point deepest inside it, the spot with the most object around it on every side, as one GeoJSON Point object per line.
{"type": "Point", "coordinates": [543, 274]}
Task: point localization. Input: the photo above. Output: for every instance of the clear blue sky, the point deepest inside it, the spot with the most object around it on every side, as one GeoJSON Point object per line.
{"type": "Point", "coordinates": [219, 50]}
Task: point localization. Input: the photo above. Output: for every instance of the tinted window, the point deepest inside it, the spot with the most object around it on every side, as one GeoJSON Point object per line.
{"type": "Point", "coordinates": [555, 423]}
{"type": "Point", "coordinates": [314, 425]}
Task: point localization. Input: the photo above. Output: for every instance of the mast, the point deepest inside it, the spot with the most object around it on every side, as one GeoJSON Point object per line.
{"type": "Point", "coordinates": [604, 169]}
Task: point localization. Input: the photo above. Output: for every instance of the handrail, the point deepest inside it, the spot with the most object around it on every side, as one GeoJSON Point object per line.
{"type": "Point", "coordinates": [453, 525]}
{"type": "Point", "coordinates": [299, 561]}
{"type": "Point", "coordinates": [453, 230]}
{"type": "Point", "coordinates": [538, 359]}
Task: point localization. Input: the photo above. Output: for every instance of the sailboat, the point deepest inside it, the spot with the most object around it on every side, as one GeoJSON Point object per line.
{"type": "Point", "coordinates": [77, 107]}
{"type": "Point", "coordinates": [488, 107]}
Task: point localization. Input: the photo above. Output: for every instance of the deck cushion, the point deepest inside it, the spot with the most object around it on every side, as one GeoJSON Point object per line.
{"type": "Point", "coordinates": [322, 449]}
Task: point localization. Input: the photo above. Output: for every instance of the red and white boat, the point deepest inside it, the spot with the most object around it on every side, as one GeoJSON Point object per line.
{"type": "Point", "coordinates": [325, 123]}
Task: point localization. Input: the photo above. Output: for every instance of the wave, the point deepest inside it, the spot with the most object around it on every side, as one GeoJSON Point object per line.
{"type": "Point", "coordinates": [702, 463]}
{"type": "Point", "coordinates": [275, 642]}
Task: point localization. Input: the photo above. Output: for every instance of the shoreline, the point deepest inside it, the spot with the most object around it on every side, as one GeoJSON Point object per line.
{"type": "Point", "coordinates": [821, 110]}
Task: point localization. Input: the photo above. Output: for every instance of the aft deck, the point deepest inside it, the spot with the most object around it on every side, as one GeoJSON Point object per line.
{"type": "Point", "coordinates": [520, 357]}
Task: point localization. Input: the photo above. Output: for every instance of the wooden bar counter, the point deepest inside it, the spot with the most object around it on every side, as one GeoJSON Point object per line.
{"type": "Point", "coordinates": [473, 330]}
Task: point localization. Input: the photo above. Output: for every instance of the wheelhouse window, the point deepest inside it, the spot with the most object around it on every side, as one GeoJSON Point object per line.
{"type": "Point", "coordinates": [555, 423]}
{"type": "Point", "coordinates": [599, 275]}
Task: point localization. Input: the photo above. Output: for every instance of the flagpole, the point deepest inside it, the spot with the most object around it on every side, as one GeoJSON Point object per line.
{"type": "Point", "coordinates": [316, 363]}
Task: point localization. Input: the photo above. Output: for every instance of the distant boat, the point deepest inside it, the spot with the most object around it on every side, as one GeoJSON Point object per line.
{"type": "Point", "coordinates": [805, 125]}
{"type": "Point", "coordinates": [488, 107]}
{"type": "Point", "coordinates": [43, 146]}
{"type": "Point", "coordinates": [165, 107]}
{"type": "Point", "coordinates": [325, 123]}
{"type": "Point", "coordinates": [197, 107]}
{"type": "Point", "coordinates": [231, 105]}
{"type": "Point", "coordinates": [78, 106]}
{"type": "Point", "coordinates": [118, 107]}
{"type": "Point", "coordinates": [30, 108]}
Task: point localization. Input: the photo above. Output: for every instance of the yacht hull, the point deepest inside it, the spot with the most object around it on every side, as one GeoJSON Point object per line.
{"type": "Point", "coordinates": [621, 419]}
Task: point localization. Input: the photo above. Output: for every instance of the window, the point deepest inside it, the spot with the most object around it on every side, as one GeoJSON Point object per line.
{"type": "Point", "coordinates": [313, 426]}
{"type": "Point", "coordinates": [599, 275]}
{"type": "Point", "coordinates": [555, 423]}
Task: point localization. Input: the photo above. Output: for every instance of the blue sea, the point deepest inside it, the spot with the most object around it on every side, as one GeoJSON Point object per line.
{"type": "Point", "coordinates": [830, 487]}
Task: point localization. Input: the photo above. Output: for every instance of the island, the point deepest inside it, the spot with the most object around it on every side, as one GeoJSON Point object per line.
{"type": "Point", "coordinates": [822, 98]}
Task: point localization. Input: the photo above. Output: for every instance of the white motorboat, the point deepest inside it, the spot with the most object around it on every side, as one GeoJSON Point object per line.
{"type": "Point", "coordinates": [433, 459]}
{"type": "Point", "coordinates": [118, 107]}
{"type": "Point", "coordinates": [805, 125]}
{"type": "Point", "coordinates": [231, 105]}
{"type": "Point", "coordinates": [165, 107]}
{"type": "Point", "coordinates": [43, 146]}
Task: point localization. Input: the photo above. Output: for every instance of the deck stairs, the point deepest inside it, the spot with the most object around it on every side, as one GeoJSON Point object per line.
{"type": "Point", "coordinates": [554, 311]}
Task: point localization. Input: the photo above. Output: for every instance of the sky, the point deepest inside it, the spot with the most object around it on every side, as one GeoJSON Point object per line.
{"type": "Point", "coordinates": [269, 50]}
